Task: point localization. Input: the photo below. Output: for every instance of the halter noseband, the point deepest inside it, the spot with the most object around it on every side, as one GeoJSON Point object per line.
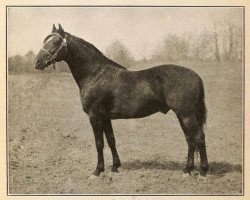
{"type": "Point", "coordinates": [54, 56]}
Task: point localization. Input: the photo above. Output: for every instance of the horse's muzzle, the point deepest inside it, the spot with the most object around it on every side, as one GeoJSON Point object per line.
{"type": "Point", "coordinates": [39, 65]}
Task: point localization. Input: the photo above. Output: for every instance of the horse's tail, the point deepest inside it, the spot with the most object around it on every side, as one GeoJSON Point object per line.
{"type": "Point", "coordinates": [201, 110]}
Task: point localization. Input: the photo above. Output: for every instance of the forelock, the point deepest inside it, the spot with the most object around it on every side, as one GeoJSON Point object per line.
{"type": "Point", "coordinates": [48, 38]}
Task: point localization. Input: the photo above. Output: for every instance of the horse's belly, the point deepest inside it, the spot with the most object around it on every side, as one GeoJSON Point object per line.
{"type": "Point", "coordinates": [135, 108]}
{"type": "Point", "coordinates": [135, 100]}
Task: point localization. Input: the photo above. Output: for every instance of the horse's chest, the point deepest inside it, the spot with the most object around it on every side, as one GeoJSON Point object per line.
{"type": "Point", "coordinates": [96, 100]}
{"type": "Point", "coordinates": [85, 103]}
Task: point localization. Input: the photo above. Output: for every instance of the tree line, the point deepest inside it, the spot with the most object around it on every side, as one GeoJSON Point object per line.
{"type": "Point", "coordinates": [208, 46]}
{"type": "Point", "coordinates": [26, 65]}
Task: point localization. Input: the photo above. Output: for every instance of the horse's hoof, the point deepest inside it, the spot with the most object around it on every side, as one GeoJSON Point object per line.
{"type": "Point", "coordinates": [97, 172]}
{"type": "Point", "coordinates": [188, 169]}
{"type": "Point", "coordinates": [114, 169]}
{"type": "Point", "coordinates": [203, 173]}
{"type": "Point", "coordinates": [92, 177]}
{"type": "Point", "coordinates": [185, 175]}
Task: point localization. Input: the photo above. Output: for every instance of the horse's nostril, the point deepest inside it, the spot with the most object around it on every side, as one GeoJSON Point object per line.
{"type": "Point", "coordinates": [38, 62]}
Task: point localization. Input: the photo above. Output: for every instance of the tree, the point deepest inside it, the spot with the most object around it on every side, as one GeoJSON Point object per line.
{"type": "Point", "coordinates": [15, 64]}
{"type": "Point", "coordinates": [29, 60]}
{"type": "Point", "coordinates": [228, 28]}
{"type": "Point", "coordinates": [216, 53]}
{"type": "Point", "coordinates": [174, 48]}
{"type": "Point", "coordinates": [206, 46]}
{"type": "Point", "coordinates": [25, 64]}
{"type": "Point", "coordinates": [120, 54]}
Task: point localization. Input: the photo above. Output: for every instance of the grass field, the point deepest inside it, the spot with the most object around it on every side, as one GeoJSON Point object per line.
{"type": "Point", "coordinates": [52, 150]}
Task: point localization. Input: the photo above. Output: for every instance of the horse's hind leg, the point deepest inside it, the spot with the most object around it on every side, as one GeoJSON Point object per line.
{"type": "Point", "coordinates": [190, 140]}
{"type": "Point", "coordinates": [195, 137]}
{"type": "Point", "coordinates": [200, 142]}
{"type": "Point", "coordinates": [108, 130]}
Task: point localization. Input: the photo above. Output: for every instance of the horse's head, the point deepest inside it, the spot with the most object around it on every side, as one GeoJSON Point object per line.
{"type": "Point", "coordinates": [54, 49]}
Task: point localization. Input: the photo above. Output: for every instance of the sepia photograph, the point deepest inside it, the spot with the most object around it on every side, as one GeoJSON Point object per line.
{"type": "Point", "coordinates": [125, 100]}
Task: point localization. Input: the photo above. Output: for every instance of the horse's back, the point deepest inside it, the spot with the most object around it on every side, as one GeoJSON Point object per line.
{"type": "Point", "coordinates": [177, 86]}
{"type": "Point", "coordinates": [171, 72]}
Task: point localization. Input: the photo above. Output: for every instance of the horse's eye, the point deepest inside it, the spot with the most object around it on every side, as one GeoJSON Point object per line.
{"type": "Point", "coordinates": [56, 42]}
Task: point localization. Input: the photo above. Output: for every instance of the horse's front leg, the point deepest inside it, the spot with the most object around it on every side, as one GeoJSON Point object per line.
{"type": "Point", "coordinates": [98, 128]}
{"type": "Point", "coordinates": [111, 142]}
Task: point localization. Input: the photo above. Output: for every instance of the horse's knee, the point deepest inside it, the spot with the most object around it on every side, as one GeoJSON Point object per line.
{"type": "Point", "coordinates": [199, 138]}
{"type": "Point", "coordinates": [110, 138]}
{"type": "Point", "coordinates": [99, 145]}
{"type": "Point", "coordinates": [193, 132]}
{"type": "Point", "coordinates": [190, 124]}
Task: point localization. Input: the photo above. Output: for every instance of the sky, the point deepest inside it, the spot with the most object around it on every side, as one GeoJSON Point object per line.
{"type": "Point", "coordinates": [140, 29]}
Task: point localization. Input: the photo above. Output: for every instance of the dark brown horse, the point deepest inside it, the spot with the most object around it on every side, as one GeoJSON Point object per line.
{"type": "Point", "coordinates": [109, 91]}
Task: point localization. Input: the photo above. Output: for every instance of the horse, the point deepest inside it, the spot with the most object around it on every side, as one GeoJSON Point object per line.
{"type": "Point", "coordinates": [109, 91]}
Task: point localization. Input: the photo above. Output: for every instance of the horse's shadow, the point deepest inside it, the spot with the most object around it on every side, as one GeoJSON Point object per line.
{"type": "Point", "coordinates": [215, 168]}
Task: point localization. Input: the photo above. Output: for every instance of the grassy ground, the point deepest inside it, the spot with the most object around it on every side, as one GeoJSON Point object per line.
{"type": "Point", "coordinates": [51, 144]}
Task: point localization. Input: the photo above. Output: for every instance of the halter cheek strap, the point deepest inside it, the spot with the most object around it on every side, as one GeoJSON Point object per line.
{"type": "Point", "coordinates": [54, 56]}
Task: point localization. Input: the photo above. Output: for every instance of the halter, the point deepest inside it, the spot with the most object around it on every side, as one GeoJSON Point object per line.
{"type": "Point", "coordinates": [54, 56]}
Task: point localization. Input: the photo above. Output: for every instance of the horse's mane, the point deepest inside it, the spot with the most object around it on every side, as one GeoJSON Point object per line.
{"type": "Point", "coordinates": [90, 46]}
{"type": "Point", "coordinates": [94, 50]}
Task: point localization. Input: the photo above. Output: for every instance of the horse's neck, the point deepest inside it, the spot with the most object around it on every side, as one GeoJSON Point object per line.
{"type": "Point", "coordinates": [82, 61]}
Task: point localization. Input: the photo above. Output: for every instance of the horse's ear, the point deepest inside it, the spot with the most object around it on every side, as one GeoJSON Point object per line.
{"type": "Point", "coordinates": [60, 28]}
{"type": "Point", "coordinates": [54, 28]}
